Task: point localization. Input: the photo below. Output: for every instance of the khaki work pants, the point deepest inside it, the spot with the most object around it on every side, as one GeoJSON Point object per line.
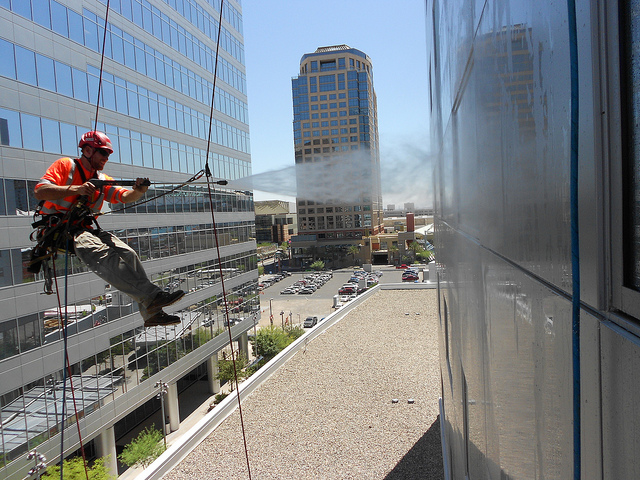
{"type": "Point", "coordinates": [116, 263]}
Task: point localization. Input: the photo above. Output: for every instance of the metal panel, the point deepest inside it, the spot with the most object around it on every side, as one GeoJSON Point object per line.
{"type": "Point", "coordinates": [620, 392]}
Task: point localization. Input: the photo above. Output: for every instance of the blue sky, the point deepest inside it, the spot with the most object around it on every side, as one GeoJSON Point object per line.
{"type": "Point", "coordinates": [278, 33]}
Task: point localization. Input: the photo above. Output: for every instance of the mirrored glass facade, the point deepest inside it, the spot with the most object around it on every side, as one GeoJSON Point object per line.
{"type": "Point", "coordinates": [152, 97]}
{"type": "Point", "coordinates": [335, 129]}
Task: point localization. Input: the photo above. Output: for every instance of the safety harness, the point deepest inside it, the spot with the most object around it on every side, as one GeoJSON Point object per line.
{"type": "Point", "coordinates": [55, 233]}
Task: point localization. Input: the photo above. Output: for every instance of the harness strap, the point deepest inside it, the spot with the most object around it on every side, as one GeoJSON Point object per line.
{"type": "Point", "coordinates": [87, 211]}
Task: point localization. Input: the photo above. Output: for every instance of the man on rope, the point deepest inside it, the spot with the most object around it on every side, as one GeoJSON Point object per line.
{"type": "Point", "coordinates": [66, 188]}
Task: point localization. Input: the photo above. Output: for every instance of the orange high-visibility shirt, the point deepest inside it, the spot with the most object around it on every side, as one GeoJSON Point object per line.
{"type": "Point", "coordinates": [64, 172]}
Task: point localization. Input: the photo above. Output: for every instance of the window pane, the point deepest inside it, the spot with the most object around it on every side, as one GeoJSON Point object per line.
{"type": "Point", "coordinates": [122, 105]}
{"type": "Point", "coordinates": [33, 135]}
{"type": "Point", "coordinates": [108, 95]}
{"type": "Point", "coordinates": [76, 30]}
{"type": "Point", "coordinates": [22, 8]}
{"type": "Point", "coordinates": [18, 191]}
{"type": "Point", "coordinates": [41, 13]}
{"type": "Point", "coordinates": [8, 63]}
{"type": "Point", "coordinates": [59, 18]}
{"type": "Point", "coordinates": [147, 155]}
{"type": "Point", "coordinates": [46, 76]}
{"type": "Point", "coordinates": [125, 150]}
{"type": "Point", "coordinates": [64, 84]}
{"type": "Point", "coordinates": [26, 64]}
{"type": "Point", "coordinates": [10, 128]}
{"type": "Point", "coordinates": [33, 201]}
{"type": "Point", "coordinates": [133, 103]}
{"type": "Point", "coordinates": [51, 136]}
{"type": "Point", "coordinates": [117, 47]}
{"type": "Point", "coordinates": [69, 139]}
{"type": "Point", "coordinates": [80, 90]}
{"type": "Point", "coordinates": [91, 35]}
{"type": "Point", "coordinates": [3, 210]}
{"type": "Point", "coordinates": [8, 330]}
{"type": "Point", "coordinates": [29, 332]}
{"type": "Point", "coordinates": [129, 55]}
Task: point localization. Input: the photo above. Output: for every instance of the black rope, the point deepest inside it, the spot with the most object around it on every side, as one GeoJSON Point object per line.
{"type": "Point", "coordinates": [66, 352]}
{"type": "Point", "coordinates": [66, 367]}
{"type": "Point", "coordinates": [104, 42]}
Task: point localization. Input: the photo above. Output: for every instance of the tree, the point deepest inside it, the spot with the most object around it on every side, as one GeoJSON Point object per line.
{"type": "Point", "coordinates": [354, 250]}
{"type": "Point", "coordinates": [226, 371]}
{"type": "Point", "coordinates": [317, 265]}
{"type": "Point", "coordinates": [416, 248]}
{"type": "Point", "coordinates": [73, 468]}
{"type": "Point", "coordinates": [393, 250]}
{"type": "Point", "coordinates": [144, 449]}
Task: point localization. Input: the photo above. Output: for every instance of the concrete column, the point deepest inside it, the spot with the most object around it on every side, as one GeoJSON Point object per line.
{"type": "Point", "coordinates": [172, 409]}
{"type": "Point", "coordinates": [212, 374]}
{"type": "Point", "coordinates": [243, 344]}
{"type": "Point", "coordinates": [105, 444]}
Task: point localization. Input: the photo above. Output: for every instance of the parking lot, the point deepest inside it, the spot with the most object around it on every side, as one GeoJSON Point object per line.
{"type": "Point", "coordinates": [295, 308]}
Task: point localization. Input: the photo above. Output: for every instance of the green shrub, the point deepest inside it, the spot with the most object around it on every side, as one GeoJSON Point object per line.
{"type": "Point", "coordinates": [73, 469]}
{"type": "Point", "coordinates": [226, 371]}
{"type": "Point", "coordinates": [144, 449]}
{"type": "Point", "coordinates": [219, 397]}
{"type": "Point", "coordinates": [317, 265]}
{"type": "Point", "coordinates": [271, 340]}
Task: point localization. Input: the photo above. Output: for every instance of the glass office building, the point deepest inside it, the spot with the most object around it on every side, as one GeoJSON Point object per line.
{"type": "Point", "coordinates": [154, 104]}
{"type": "Point", "coordinates": [337, 156]}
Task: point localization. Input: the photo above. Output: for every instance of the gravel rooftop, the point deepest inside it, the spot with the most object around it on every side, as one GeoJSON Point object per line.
{"type": "Point", "coordinates": [328, 413]}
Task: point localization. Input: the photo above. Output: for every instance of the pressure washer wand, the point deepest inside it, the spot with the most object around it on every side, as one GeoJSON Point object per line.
{"type": "Point", "coordinates": [130, 183]}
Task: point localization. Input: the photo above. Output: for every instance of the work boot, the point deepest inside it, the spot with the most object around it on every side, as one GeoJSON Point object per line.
{"type": "Point", "coordinates": [164, 299]}
{"type": "Point", "coordinates": [162, 319]}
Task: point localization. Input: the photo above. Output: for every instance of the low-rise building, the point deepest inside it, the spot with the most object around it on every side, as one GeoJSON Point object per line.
{"type": "Point", "coordinates": [276, 221]}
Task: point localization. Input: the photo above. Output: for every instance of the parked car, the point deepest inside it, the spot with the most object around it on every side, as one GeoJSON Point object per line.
{"type": "Point", "coordinates": [310, 322]}
{"type": "Point", "coordinates": [410, 277]}
{"type": "Point", "coordinates": [347, 289]}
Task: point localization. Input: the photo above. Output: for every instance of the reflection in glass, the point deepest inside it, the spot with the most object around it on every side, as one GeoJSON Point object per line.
{"type": "Point", "coordinates": [26, 65]}
{"type": "Point", "coordinates": [31, 124]}
{"type": "Point", "coordinates": [59, 19]}
{"type": "Point", "coordinates": [8, 64]}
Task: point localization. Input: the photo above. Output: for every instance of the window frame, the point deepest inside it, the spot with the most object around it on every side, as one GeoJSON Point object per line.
{"type": "Point", "coordinates": [618, 296]}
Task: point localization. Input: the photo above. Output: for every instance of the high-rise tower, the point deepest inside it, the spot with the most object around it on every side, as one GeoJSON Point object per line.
{"type": "Point", "coordinates": [337, 156]}
{"type": "Point", "coordinates": [155, 106]}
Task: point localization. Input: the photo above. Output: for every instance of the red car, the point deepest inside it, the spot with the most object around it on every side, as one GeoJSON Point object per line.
{"type": "Point", "coordinates": [409, 277]}
{"type": "Point", "coordinates": [347, 290]}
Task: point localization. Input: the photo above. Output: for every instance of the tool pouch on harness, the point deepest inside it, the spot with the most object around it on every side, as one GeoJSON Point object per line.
{"type": "Point", "coordinates": [50, 234]}
{"type": "Point", "coordinates": [55, 232]}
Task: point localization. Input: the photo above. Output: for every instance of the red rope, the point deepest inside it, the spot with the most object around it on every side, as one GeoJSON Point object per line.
{"type": "Point", "coordinates": [215, 233]}
{"type": "Point", "coordinates": [64, 329]}
{"type": "Point", "coordinates": [68, 366]}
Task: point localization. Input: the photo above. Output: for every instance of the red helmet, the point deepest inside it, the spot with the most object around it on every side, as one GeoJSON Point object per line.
{"type": "Point", "coordinates": [96, 140]}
